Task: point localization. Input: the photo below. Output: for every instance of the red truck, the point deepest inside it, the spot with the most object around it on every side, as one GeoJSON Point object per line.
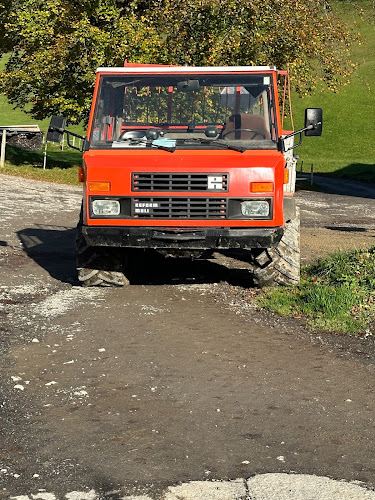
{"type": "Point", "coordinates": [189, 161]}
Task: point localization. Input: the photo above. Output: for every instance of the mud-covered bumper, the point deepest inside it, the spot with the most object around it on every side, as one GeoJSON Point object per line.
{"type": "Point", "coordinates": [182, 238]}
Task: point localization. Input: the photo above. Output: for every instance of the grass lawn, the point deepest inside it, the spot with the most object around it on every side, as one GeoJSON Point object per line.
{"type": "Point", "coordinates": [61, 166]}
{"type": "Point", "coordinates": [346, 148]}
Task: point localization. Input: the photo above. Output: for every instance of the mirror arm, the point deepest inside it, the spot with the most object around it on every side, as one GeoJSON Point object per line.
{"type": "Point", "coordinates": [310, 127]}
{"type": "Point", "coordinates": [68, 134]}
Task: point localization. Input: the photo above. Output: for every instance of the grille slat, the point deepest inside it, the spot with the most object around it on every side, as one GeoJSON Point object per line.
{"type": "Point", "coordinates": [179, 208]}
{"type": "Point", "coordinates": [157, 181]}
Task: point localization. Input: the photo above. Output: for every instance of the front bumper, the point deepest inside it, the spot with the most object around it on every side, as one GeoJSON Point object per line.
{"type": "Point", "coordinates": [182, 238]}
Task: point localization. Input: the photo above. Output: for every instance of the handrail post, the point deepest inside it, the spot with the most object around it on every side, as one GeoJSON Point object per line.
{"type": "Point", "coordinates": [3, 143]}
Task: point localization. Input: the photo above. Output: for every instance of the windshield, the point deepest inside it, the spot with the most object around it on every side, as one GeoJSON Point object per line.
{"type": "Point", "coordinates": [177, 111]}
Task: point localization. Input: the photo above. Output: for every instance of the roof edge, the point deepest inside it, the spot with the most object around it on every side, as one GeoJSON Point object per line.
{"type": "Point", "coordinates": [185, 69]}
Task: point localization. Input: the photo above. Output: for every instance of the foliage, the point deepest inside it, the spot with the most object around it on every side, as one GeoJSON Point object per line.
{"type": "Point", "coordinates": [57, 45]}
{"type": "Point", "coordinates": [335, 294]}
{"type": "Point", "coordinates": [304, 36]}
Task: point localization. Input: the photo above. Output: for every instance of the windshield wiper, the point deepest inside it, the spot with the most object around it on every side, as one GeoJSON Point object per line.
{"type": "Point", "coordinates": [171, 149]}
{"type": "Point", "coordinates": [240, 149]}
{"type": "Point", "coordinates": [215, 142]}
{"type": "Point", "coordinates": [133, 143]}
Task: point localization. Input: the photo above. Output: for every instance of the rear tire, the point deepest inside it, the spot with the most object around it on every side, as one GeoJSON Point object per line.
{"type": "Point", "coordinates": [98, 266]}
{"type": "Point", "coordinates": [280, 265]}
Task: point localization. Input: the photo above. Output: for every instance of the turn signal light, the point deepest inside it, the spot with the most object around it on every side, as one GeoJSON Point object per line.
{"type": "Point", "coordinates": [81, 174]}
{"type": "Point", "coordinates": [99, 186]}
{"type": "Point", "coordinates": [286, 176]}
{"type": "Point", "coordinates": [261, 187]}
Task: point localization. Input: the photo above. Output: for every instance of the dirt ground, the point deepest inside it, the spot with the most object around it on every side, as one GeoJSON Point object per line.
{"type": "Point", "coordinates": [339, 217]}
{"type": "Point", "coordinates": [176, 377]}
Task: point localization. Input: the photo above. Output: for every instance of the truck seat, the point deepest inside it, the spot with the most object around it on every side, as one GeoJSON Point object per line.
{"type": "Point", "coordinates": [243, 121]}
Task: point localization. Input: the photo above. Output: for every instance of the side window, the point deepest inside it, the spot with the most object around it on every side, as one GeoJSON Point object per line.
{"type": "Point", "coordinates": [103, 120]}
{"type": "Point", "coordinates": [283, 84]}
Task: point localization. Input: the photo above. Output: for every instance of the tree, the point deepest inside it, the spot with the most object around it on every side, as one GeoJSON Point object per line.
{"type": "Point", "coordinates": [58, 44]}
{"type": "Point", "coordinates": [304, 36]}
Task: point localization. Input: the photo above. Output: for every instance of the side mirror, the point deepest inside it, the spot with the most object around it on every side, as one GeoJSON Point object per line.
{"type": "Point", "coordinates": [56, 129]}
{"type": "Point", "coordinates": [313, 121]}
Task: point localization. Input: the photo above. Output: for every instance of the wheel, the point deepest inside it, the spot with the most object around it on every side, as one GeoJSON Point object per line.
{"type": "Point", "coordinates": [280, 265]}
{"type": "Point", "coordinates": [98, 266]}
{"type": "Point", "coordinates": [256, 132]}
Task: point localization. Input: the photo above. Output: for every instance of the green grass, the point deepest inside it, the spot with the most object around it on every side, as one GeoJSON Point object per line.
{"type": "Point", "coordinates": [346, 148]}
{"type": "Point", "coordinates": [61, 166]}
{"type": "Point", "coordinates": [335, 294]}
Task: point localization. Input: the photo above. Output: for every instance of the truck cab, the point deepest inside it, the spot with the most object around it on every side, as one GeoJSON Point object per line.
{"type": "Point", "coordinates": [188, 161]}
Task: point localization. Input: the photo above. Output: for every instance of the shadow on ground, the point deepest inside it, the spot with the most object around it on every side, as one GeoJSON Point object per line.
{"type": "Point", "coordinates": [151, 268]}
{"type": "Point", "coordinates": [52, 248]}
{"type": "Point", "coordinates": [347, 229]}
{"type": "Point", "coordinates": [344, 186]}
{"type": "Point", "coordinates": [56, 158]}
{"type": "Point", "coordinates": [361, 171]}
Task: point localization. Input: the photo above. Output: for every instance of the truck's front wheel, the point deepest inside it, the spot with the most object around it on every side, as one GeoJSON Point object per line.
{"type": "Point", "coordinates": [98, 266]}
{"type": "Point", "coordinates": [280, 265]}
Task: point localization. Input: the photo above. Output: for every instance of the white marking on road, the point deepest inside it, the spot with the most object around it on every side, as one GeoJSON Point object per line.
{"type": "Point", "coordinates": [272, 486]}
{"type": "Point", "coordinates": [304, 487]}
{"type": "Point", "coordinates": [43, 496]}
{"type": "Point", "coordinates": [81, 495]}
{"type": "Point", "coordinates": [207, 490]}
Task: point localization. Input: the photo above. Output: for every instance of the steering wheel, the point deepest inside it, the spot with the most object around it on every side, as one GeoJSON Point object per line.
{"type": "Point", "coordinates": [256, 132]}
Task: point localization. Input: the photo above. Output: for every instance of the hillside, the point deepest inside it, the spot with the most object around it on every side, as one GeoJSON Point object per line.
{"type": "Point", "coordinates": [347, 145]}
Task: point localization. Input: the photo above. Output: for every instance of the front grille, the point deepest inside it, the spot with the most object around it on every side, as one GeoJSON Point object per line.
{"type": "Point", "coordinates": [144, 181]}
{"type": "Point", "coordinates": [179, 208]}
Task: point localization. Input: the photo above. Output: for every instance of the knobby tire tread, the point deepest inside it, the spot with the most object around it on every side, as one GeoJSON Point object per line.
{"type": "Point", "coordinates": [97, 266]}
{"type": "Point", "coordinates": [280, 265]}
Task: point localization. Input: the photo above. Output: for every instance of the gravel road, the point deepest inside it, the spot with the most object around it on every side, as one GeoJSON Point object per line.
{"type": "Point", "coordinates": [175, 387]}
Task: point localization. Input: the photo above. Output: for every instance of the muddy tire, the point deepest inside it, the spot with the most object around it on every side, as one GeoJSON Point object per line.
{"type": "Point", "coordinates": [280, 265]}
{"type": "Point", "coordinates": [98, 266]}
